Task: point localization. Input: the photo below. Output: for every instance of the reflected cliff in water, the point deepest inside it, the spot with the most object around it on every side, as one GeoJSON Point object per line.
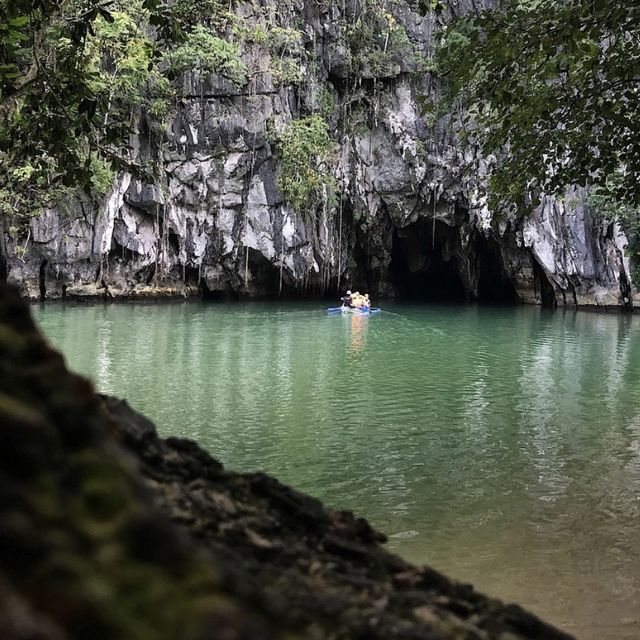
{"type": "Point", "coordinates": [501, 445]}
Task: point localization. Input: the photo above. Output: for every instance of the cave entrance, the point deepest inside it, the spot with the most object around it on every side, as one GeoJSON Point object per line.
{"type": "Point", "coordinates": [494, 284]}
{"type": "Point", "coordinates": [422, 268]}
{"type": "Point", "coordinates": [216, 295]}
{"type": "Point", "coordinates": [264, 277]}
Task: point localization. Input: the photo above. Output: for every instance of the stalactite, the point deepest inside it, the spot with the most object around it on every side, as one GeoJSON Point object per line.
{"type": "Point", "coordinates": [433, 232]}
{"type": "Point", "coordinates": [246, 214]}
{"type": "Point", "coordinates": [339, 244]}
{"type": "Point", "coordinates": [281, 262]}
{"type": "Point", "coordinates": [157, 230]}
{"type": "Point", "coordinates": [246, 267]}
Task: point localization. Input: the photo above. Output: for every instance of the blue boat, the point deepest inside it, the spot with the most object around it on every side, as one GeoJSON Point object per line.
{"type": "Point", "coordinates": [358, 311]}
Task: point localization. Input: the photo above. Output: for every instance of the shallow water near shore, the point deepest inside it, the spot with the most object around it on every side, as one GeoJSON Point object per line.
{"type": "Point", "coordinates": [499, 445]}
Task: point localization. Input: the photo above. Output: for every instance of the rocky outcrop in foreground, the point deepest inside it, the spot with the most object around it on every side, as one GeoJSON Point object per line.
{"type": "Point", "coordinates": [107, 531]}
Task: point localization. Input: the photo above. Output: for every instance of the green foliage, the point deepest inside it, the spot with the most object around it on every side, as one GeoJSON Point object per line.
{"type": "Point", "coordinates": [326, 103]}
{"type": "Point", "coordinates": [287, 54]}
{"type": "Point", "coordinates": [376, 42]}
{"type": "Point", "coordinates": [102, 176]}
{"type": "Point", "coordinates": [258, 34]}
{"type": "Point", "coordinates": [286, 71]}
{"type": "Point", "coordinates": [380, 64]}
{"type": "Point", "coordinates": [204, 51]}
{"type": "Point", "coordinates": [122, 66]}
{"type": "Point", "coordinates": [211, 13]}
{"type": "Point", "coordinates": [305, 148]}
{"type": "Point", "coordinates": [70, 73]}
{"type": "Point", "coordinates": [284, 45]}
{"type": "Point", "coordinates": [75, 75]}
{"type": "Point", "coordinates": [285, 40]}
{"type": "Point", "coordinates": [552, 89]}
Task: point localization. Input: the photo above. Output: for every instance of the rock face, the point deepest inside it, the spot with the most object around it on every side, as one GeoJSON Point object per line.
{"type": "Point", "coordinates": [106, 531]}
{"type": "Point", "coordinates": [404, 216]}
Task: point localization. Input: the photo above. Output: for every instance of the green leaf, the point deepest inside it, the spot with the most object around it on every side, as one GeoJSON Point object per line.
{"type": "Point", "coordinates": [18, 22]}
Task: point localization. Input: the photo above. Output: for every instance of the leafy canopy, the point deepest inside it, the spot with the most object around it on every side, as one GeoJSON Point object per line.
{"type": "Point", "coordinates": [552, 88]}
{"type": "Point", "coordinates": [71, 71]}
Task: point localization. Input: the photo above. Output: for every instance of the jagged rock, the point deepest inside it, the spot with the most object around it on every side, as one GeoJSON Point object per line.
{"type": "Point", "coordinates": [215, 221]}
{"type": "Point", "coordinates": [107, 531]}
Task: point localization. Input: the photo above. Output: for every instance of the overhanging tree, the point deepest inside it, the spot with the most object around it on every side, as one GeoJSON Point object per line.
{"type": "Point", "coordinates": [551, 87]}
{"type": "Point", "coordinates": [68, 70]}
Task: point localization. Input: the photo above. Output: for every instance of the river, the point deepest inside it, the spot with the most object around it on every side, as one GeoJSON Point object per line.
{"type": "Point", "coordinates": [500, 445]}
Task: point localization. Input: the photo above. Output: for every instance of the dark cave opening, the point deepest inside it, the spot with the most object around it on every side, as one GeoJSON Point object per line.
{"type": "Point", "coordinates": [264, 275]}
{"type": "Point", "coordinates": [4, 267]}
{"type": "Point", "coordinates": [543, 287]}
{"type": "Point", "coordinates": [263, 281]}
{"type": "Point", "coordinates": [428, 263]}
{"type": "Point", "coordinates": [150, 274]}
{"type": "Point", "coordinates": [191, 276]}
{"type": "Point", "coordinates": [421, 268]}
{"type": "Point", "coordinates": [174, 242]}
{"type": "Point", "coordinates": [122, 253]}
{"type": "Point", "coordinates": [216, 295]}
{"type": "Point", "coordinates": [363, 278]}
{"type": "Point", "coordinates": [494, 285]}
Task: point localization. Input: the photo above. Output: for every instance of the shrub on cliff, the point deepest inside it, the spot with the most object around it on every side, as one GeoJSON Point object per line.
{"type": "Point", "coordinates": [305, 148]}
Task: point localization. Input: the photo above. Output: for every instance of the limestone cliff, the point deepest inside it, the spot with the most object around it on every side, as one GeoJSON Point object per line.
{"type": "Point", "coordinates": [107, 531]}
{"type": "Point", "coordinates": [401, 215]}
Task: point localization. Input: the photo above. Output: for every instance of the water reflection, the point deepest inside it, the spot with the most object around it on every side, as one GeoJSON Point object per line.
{"type": "Point", "coordinates": [358, 332]}
{"type": "Point", "coordinates": [501, 445]}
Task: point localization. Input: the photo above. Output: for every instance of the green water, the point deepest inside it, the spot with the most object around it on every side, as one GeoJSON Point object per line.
{"type": "Point", "coordinates": [500, 445]}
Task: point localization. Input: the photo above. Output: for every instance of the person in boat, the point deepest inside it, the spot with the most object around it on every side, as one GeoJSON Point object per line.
{"type": "Point", "coordinates": [361, 301]}
{"type": "Point", "coordinates": [347, 300]}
